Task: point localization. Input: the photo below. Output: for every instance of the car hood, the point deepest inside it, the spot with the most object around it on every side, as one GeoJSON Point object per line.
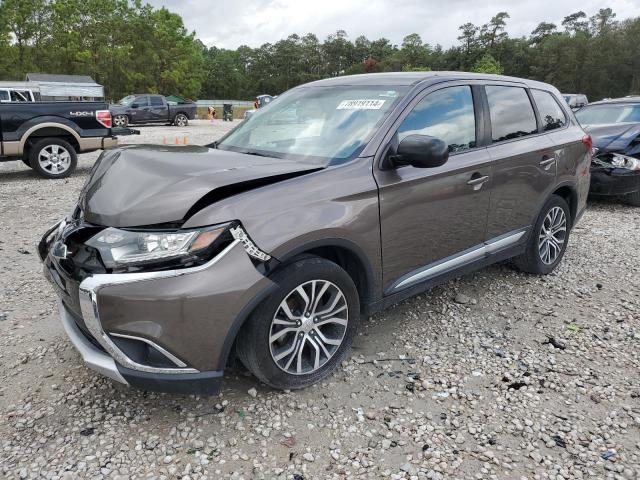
{"type": "Point", "coordinates": [615, 137]}
{"type": "Point", "coordinates": [147, 185]}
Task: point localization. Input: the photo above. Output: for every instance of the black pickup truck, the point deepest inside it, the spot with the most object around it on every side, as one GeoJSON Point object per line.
{"type": "Point", "coordinates": [47, 136]}
{"type": "Point", "coordinates": [143, 108]}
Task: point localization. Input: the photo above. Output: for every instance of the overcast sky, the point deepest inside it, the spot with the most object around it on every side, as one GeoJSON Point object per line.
{"type": "Point", "coordinates": [231, 23]}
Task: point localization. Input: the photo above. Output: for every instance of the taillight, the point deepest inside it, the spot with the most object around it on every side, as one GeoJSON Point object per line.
{"type": "Point", "coordinates": [588, 141]}
{"type": "Point", "coordinates": [104, 117]}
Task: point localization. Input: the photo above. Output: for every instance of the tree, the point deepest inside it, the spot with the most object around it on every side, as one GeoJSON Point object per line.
{"type": "Point", "coordinates": [494, 32]}
{"type": "Point", "coordinates": [542, 31]}
{"type": "Point", "coordinates": [576, 22]}
{"type": "Point", "coordinates": [488, 64]}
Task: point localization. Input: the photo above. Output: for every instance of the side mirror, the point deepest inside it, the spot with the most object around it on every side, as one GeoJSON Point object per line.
{"type": "Point", "coordinates": [422, 151]}
{"type": "Point", "coordinates": [134, 105]}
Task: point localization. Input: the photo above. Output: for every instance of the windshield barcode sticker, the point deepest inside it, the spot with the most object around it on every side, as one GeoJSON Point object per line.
{"type": "Point", "coordinates": [374, 104]}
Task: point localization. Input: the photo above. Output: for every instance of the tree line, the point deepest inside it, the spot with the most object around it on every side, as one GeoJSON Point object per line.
{"type": "Point", "coordinates": [130, 47]}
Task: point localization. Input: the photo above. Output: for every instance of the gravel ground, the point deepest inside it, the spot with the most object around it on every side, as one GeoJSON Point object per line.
{"type": "Point", "coordinates": [494, 375]}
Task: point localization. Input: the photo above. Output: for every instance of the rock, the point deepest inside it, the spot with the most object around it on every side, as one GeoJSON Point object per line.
{"type": "Point", "coordinates": [461, 298]}
{"type": "Point", "coordinates": [253, 392]}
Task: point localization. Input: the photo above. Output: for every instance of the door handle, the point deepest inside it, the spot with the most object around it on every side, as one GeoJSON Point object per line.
{"type": "Point", "coordinates": [477, 181]}
{"type": "Point", "coordinates": [548, 161]}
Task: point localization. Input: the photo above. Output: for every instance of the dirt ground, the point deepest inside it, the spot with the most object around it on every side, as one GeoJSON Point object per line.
{"type": "Point", "coordinates": [497, 374]}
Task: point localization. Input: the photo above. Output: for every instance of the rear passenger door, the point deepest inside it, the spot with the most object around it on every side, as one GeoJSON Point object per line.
{"type": "Point", "coordinates": [523, 160]}
{"type": "Point", "coordinates": [158, 110]}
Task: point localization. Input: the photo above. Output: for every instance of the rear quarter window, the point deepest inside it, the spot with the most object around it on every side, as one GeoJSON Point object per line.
{"type": "Point", "coordinates": [511, 113]}
{"type": "Point", "coordinates": [551, 113]}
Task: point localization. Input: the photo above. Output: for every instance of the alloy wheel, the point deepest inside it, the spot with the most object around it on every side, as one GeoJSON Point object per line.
{"type": "Point", "coordinates": [308, 327]}
{"type": "Point", "coordinates": [120, 121]}
{"type": "Point", "coordinates": [54, 159]}
{"type": "Point", "coordinates": [181, 120]}
{"type": "Point", "coordinates": [552, 235]}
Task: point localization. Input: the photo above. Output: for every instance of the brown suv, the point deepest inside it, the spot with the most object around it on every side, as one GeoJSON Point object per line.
{"type": "Point", "coordinates": [342, 197]}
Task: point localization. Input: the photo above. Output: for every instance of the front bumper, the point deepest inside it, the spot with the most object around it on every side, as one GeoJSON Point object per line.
{"type": "Point", "coordinates": [613, 181]}
{"type": "Point", "coordinates": [188, 316]}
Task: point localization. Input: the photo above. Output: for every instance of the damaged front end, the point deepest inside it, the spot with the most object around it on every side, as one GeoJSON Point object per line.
{"type": "Point", "coordinates": [154, 309]}
{"type": "Point", "coordinates": [614, 174]}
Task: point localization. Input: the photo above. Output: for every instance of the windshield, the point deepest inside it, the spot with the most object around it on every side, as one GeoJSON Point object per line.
{"type": "Point", "coordinates": [603, 114]}
{"type": "Point", "coordinates": [315, 124]}
{"type": "Point", "coordinates": [127, 100]}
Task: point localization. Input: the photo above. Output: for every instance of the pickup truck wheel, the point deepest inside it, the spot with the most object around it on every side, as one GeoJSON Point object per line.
{"type": "Point", "coordinates": [548, 240]}
{"type": "Point", "coordinates": [53, 158]}
{"type": "Point", "coordinates": [303, 330]}
{"type": "Point", "coordinates": [181, 120]}
{"type": "Point", "coordinates": [120, 121]}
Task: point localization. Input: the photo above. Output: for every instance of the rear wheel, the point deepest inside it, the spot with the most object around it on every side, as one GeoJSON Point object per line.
{"type": "Point", "coordinates": [181, 120]}
{"type": "Point", "coordinates": [301, 333]}
{"type": "Point", "coordinates": [53, 158]}
{"type": "Point", "coordinates": [549, 238]}
{"type": "Point", "coordinates": [632, 198]}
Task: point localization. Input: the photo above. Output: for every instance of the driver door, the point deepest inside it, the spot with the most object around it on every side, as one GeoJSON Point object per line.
{"type": "Point", "coordinates": [432, 219]}
{"type": "Point", "coordinates": [141, 113]}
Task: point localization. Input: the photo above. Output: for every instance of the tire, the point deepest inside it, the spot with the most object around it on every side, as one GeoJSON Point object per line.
{"type": "Point", "coordinates": [26, 162]}
{"type": "Point", "coordinates": [61, 166]}
{"type": "Point", "coordinates": [121, 121]}
{"type": "Point", "coordinates": [181, 120]}
{"type": "Point", "coordinates": [535, 258]}
{"type": "Point", "coordinates": [632, 199]}
{"type": "Point", "coordinates": [282, 364]}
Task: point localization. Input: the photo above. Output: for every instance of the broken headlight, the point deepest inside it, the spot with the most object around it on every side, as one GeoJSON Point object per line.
{"type": "Point", "coordinates": [124, 248]}
{"type": "Point", "coordinates": [624, 161]}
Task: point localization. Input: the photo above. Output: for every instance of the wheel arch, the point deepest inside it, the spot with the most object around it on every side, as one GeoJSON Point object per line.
{"type": "Point", "coordinates": [48, 130]}
{"type": "Point", "coordinates": [569, 193]}
{"type": "Point", "coordinates": [340, 251]}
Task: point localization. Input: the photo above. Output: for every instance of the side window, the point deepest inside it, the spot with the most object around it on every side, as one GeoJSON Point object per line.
{"type": "Point", "coordinates": [446, 114]}
{"type": "Point", "coordinates": [550, 112]}
{"type": "Point", "coordinates": [511, 113]}
{"type": "Point", "coordinates": [142, 101]}
{"type": "Point", "coordinates": [4, 96]}
{"type": "Point", "coordinates": [156, 101]}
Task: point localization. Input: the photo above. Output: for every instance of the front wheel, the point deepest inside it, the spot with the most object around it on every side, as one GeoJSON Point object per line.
{"type": "Point", "coordinates": [181, 120]}
{"type": "Point", "coordinates": [549, 238]}
{"type": "Point", "coordinates": [53, 158]}
{"type": "Point", "coordinates": [120, 121]}
{"type": "Point", "coordinates": [302, 332]}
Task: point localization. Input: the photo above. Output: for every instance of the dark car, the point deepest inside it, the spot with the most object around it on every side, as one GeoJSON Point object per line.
{"type": "Point", "coordinates": [614, 126]}
{"type": "Point", "coordinates": [137, 109]}
{"type": "Point", "coordinates": [343, 197]}
{"type": "Point", "coordinates": [47, 136]}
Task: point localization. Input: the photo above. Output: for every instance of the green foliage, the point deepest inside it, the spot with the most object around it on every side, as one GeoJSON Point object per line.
{"type": "Point", "coordinates": [487, 64]}
{"type": "Point", "coordinates": [129, 47]}
{"type": "Point", "coordinates": [126, 46]}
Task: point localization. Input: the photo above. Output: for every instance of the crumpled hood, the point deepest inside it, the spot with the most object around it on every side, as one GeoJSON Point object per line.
{"type": "Point", "coordinates": [614, 137]}
{"type": "Point", "coordinates": [148, 185]}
